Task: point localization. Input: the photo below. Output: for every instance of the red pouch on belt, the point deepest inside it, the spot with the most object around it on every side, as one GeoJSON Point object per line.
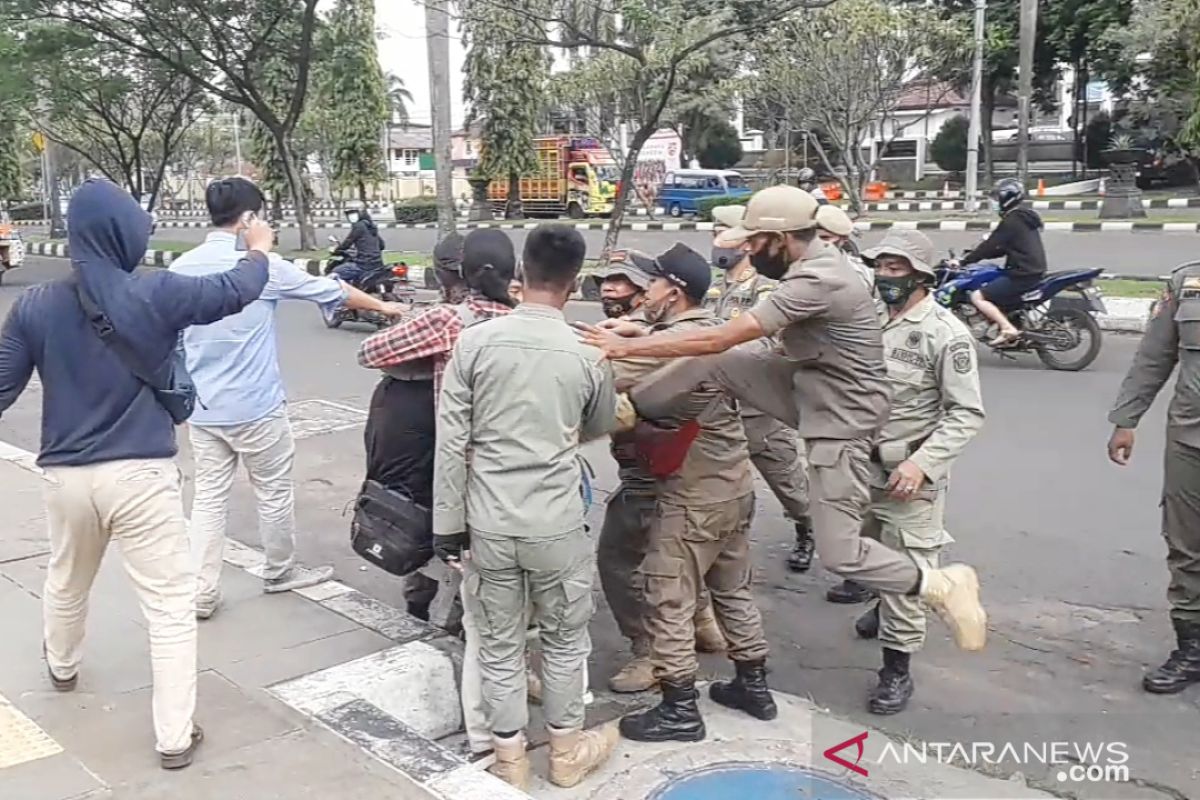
{"type": "Point", "coordinates": [661, 451]}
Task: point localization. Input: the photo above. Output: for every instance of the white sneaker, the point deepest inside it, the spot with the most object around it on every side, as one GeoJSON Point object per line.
{"type": "Point", "coordinates": [297, 578]}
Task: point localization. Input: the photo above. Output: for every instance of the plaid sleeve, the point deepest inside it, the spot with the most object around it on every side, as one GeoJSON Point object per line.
{"type": "Point", "coordinates": [428, 334]}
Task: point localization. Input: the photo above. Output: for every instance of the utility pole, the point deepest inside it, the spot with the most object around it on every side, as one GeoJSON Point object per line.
{"type": "Point", "coordinates": [1029, 10]}
{"type": "Point", "coordinates": [437, 37]}
{"type": "Point", "coordinates": [976, 92]}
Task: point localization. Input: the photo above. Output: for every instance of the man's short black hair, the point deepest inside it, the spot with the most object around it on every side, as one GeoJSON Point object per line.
{"type": "Point", "coordinates": [553, 256]}
{"type": "Point", "coordinates": [229, 198]}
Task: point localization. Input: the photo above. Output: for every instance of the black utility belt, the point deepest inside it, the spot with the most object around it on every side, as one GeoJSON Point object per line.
{"type": "Point", "coordinates": [903, 451]}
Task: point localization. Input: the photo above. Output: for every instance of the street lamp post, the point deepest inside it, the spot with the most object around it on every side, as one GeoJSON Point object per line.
{"type": "Point", "coordinates": [976, 94]}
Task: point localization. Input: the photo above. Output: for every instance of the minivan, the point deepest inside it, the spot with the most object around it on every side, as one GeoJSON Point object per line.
{"type": "Point", "coordinates": [683, 187]}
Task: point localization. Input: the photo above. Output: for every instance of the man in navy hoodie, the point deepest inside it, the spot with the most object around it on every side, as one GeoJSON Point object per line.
{"type": "Point", "coordinates": [108, 445]}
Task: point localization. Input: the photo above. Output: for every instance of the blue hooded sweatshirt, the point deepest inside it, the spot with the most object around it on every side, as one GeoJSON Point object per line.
{"type": "Point", "coordinates": [93, 408]}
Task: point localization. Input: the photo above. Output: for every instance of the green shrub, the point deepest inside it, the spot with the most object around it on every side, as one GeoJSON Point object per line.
{"type": "Point", "coordinates": [949, 147]}
{"type": "Point", "coordinates": [705, 205]}
{"type": "Point", "coordinates": [418, 209]}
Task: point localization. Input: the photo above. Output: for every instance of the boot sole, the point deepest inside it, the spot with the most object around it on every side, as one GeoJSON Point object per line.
{"type": "Point", "coordinates": [1152, 689]}
{"type": "Point", "coordinates": [174, 761]}
{"type": "Point", "coordinates": [766, 716]}
{"type": "Point", "coordinates": [977, 620]}
{"type": "Point", "coordinates": [694, 737]}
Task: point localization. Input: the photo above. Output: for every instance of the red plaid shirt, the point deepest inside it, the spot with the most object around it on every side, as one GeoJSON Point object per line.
{"type": "Point", "coordinates": [431, 334]}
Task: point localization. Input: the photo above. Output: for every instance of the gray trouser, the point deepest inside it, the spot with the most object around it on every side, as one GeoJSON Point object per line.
{"type": "Point", "coordinates": [1181, 528]}
{"type": "Point", "coordinates": [778, 455]}
{"type": "Point", "coordinates": [759, 375]}
{"type": "Point", "coordinates": [624, 540]}
{"type": "Point", "coordinates": [503, 576]}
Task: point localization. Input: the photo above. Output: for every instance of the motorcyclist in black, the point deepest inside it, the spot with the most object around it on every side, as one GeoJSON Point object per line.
{"type": "Point", "coordinates": [363, 247]}
{"type": "Point", "coordinates": [1018, 238]}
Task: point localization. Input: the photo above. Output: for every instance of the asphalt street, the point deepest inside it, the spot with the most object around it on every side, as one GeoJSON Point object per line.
{"type": "Point", "coordinates": [1067, 546]}
{"type": "Point", "coordinates": [1147, 254]}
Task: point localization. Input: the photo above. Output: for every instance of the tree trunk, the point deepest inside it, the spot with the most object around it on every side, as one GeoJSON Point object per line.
{"type": "Point", "coordinates": [1081, 129]}
{"type": "Point", "coordinates": [987, 109]}
{"type": "Point", "coordinates": [640, 138]}
{"type": "Point", "coordinates": [512, 203]}
{"type": "Point", "coordinates": [362, 191]}
{"type": "Point", "coordinates": [1076, 107]}
{"type": "Point", "coordinates": [308, 234]}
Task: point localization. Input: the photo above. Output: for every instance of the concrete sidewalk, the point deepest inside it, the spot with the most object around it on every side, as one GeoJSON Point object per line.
{"type": "Point", "coordinates": [330, 693]}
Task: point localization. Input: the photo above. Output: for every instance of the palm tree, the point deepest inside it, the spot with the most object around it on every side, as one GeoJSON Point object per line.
{"type": "Point", "coordinates": [398, 99]}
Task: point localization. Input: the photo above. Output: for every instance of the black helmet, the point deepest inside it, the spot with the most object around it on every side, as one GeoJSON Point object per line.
{"type": "Point", "coordinates": [1008, 194]}
{"type": "Point", "coordinates": [806, 175]}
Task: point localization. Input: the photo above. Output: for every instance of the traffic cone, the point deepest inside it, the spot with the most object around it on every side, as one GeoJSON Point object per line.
{"type": "Point", "coordinates": [1041, 187]}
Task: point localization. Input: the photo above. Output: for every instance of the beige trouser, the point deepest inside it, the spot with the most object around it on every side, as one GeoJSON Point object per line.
{"type": "Point", "coordinates": [504, 578]}
{"type": "Point", "coordinates": [761, 376]}
{"type": "Point", "coordinates": [916, 527]}
{"type": "Point", "coordinates": [268, 451]}
{"type": "Point", "coordinates": [691, 548]}
{"type": "Point", "coordinates": [139, 505]}
{"type": "Point", "coordinates": [778, 455]}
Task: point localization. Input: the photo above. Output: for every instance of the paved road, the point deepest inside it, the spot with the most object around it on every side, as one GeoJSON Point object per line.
{"type": "Point", "coordinates": [1148, 254]}
{"type": "Point", "coordinates": [1067, 546]}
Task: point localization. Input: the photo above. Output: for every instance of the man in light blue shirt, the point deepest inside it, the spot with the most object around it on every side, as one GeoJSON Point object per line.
{"type": "Point", "coordinates": [241, 414]}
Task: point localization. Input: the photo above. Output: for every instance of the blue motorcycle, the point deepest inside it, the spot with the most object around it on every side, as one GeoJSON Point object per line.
{"type": "Point", "coordinates": [1056, 318]}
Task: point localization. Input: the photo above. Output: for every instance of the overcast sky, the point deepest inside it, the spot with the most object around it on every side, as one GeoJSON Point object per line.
{"type": "Point", "coordinates": [402, 51]}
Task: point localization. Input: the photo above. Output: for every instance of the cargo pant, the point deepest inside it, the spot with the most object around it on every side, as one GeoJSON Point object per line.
{"type": "Point", "coordinates": [915, 527]}
{"type": "Point", "coordinates": [691, 548]}
{"type": "Point", "coordinates": [1181, 528]}
{"type": "Point", "coordinates": [554, 574]}
{"type": "Point", "coordinates": [778, 455]}
{"type": "Point", "coordinates": [759, 375]}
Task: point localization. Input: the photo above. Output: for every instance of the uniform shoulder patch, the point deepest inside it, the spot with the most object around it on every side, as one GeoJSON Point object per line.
{"type": "Point", "coordinates": [962, 362]}
{"type": "Point", "coordinates": [959, 345]}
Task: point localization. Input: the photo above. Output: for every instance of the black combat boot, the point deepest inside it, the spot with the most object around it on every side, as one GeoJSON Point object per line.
{"type": "Point", "coordinates": [867, 624]}
{"type": "Point", "coordinates": [748, 691]}
{"type": "Point", "coordinates": [1182, 667]}
{"type": "Point", "coordinates": [849, 592]}
{"type": "Point", "coordinates": [676, 719]}
{"type": "Point", "coordinates": [801, 557]}
{"type": "Point", "coordinates": [895, 684]}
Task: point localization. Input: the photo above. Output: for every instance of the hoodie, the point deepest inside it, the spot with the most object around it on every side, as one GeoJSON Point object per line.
{"type": "Point", "coordinates": [1018, 238]}
{"type": "Point", "coordinates": [93, 408]}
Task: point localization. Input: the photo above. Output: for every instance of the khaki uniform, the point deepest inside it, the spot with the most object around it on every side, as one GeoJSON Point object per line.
{"type": "Point", "coordinates": [1173, 338]}
{"type": "Point", "coordinates": [700, 531]}
{"type": "Point", "coordinates": [937, 408]}
{"type": "Point", "coordinates": [506, 470]}
{"type": "Point", "coordinates": [826, 378]}
{"type": "Point", "coordinates": [775, 450]}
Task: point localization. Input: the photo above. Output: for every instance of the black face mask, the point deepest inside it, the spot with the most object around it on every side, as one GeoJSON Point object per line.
{"type": "Point", "coordinates": [896, 291]}
{"type": "Point", "coordinates": [772, 266]}
{"type": "Point", "coordinates": [615, 307]}
{"type": "Point", "coordinates": [726, 257]}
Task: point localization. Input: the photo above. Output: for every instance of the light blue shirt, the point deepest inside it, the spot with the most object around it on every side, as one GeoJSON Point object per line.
{"type": "Point", "coordinates": [234, 362]}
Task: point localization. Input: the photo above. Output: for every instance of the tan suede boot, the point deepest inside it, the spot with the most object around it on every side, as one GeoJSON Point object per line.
{"type": "Point", "coordinates": [574, 754]}
{"type": "Point", "coordinates": [709, 636]}
{"type": "Point", "coordinates": [636, 676]}
{"type": "Point", "coordinates": [512, 763]}
{"type": "Point", "coordinates": [953, 592]}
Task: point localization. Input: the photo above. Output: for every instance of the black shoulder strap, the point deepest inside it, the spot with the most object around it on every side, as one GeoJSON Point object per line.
{"type": "Point", "coordinates": [104, 329]}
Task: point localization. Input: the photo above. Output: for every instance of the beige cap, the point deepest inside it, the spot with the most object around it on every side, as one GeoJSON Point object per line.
{"type": "Point", "coordinates": [834, 220]}
{"type": "Point", "coordinates": [775, 209]}
{"type": "Point", "coordinates": [728, 216]}
{"type": "Point", "coordinates": [912, 245]}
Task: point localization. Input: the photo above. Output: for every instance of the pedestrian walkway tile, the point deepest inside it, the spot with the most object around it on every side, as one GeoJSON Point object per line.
{"type": "Point", "coordinates": [21, 740]}
{"type": "Point", "coordinates": [315, 417]}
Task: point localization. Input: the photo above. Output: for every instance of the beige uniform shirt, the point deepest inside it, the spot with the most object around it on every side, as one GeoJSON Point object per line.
{"type": "Point", "coordinates": [728, 298]}
{"type": "Point", "coordinates": [519, 394]}
{"type": "Point", "coordinates": [936, 397]}
{"type": "Point", "coordinates": [717, 466]}
{"type": "Point", "coordinates": [827, 324]}
{"type": "Point", "coordinates": [1172, 338]}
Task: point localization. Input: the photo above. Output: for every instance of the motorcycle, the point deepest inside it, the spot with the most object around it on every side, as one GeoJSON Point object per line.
{"type": "Point", "coordinates": [1056, 318]}
{"type": "Point", "coordinates": [390, 285]}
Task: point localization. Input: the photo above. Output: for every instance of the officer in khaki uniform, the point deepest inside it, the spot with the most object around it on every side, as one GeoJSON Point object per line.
{"type": "Point", "coordinates": [825, 377]}
{"type": "Point", "coordinates": [936, 409]}
{"type": "Point", "coordinates": [625, 534]}
{"type": "Point", "coordinates": [776, 451]}
{"type": "Point", "coordinates": [700, 533]}
{"type": "Point", "coordinates": [1172, 337]}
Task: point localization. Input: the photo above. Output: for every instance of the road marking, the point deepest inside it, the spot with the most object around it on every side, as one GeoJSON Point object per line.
{"type": "Point", "coordinates": [21, 740]}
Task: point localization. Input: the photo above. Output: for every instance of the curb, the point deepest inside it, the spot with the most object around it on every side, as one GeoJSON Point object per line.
{"type": "Point", "coordinates": [1039, 205]}
{"type": "Point", "coordinates": [1132, 316]}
